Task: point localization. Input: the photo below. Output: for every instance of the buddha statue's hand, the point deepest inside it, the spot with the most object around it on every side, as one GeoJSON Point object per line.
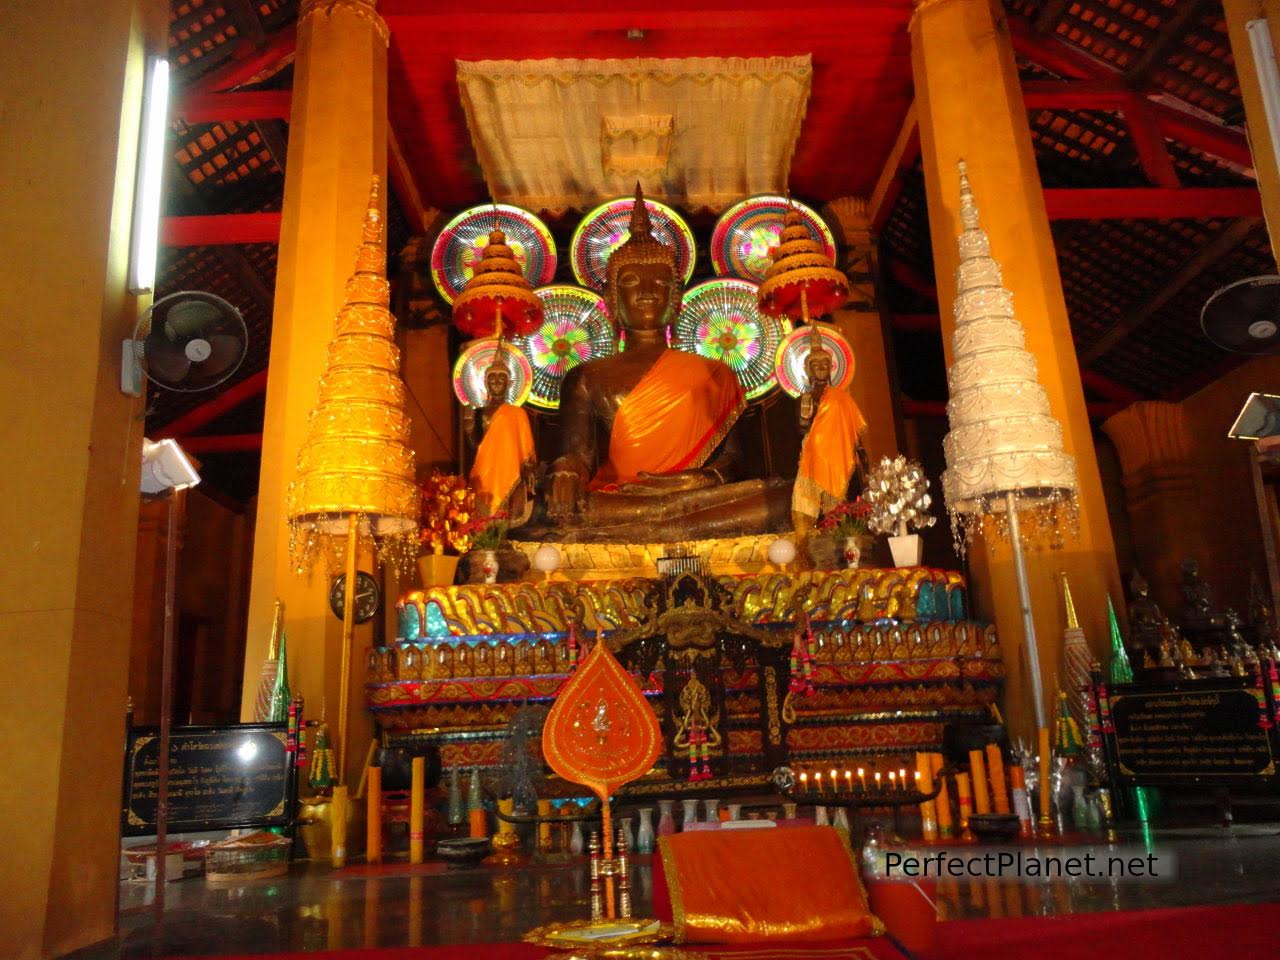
{"type": "Point", "coordinates": [677, 482]}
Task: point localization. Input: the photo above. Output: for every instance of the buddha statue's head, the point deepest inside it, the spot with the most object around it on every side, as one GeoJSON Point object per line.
{"type": "Point", "coordinates": [817, 367]}
{"type": "Point", "coordinates": [497, 378]}
{"type": "Point", "coordinates": [641, 286]}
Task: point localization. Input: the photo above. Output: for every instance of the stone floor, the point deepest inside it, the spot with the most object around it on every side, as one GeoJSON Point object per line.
{"type": "Point", "coordinates": [314, 908]}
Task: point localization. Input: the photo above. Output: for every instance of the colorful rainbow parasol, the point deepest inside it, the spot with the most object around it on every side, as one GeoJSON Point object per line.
{"type": "Point", "coordinates": [607, 227]}
{"type": "Point", "coordinates": [575, 328]}
{"type": "Point", "coordinates": [719, 319]}
{"type": "Point", "coordinates": [795, 350]}
{"type": "Point", "coordinates": [746, 234]}
{"type": "Point", "coordinates": [474, 361]}
{"type": "Point", "coordinates": [462, 241]}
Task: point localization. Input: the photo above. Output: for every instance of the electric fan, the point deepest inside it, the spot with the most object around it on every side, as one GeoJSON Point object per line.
{"type": "Point", "coordinates": [190, 341]}
{"type": "Point", "coordinates": [1244, 317]}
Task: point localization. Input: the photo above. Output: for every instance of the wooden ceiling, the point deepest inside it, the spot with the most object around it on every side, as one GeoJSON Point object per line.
{"type": "Point", "coordinates": [1140, 96]}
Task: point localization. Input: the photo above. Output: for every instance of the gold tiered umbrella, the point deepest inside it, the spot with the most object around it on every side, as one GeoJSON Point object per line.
{"type": "Point", "coordinates": [355, 477]}
{"type": "Point", "coordinates": [802, 280]}
{"type": "Point", "coordinates": [497, 298]}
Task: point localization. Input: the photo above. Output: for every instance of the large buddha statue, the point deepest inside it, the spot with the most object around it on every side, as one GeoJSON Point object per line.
{"type": "Point", "coordinates": [648, 445]}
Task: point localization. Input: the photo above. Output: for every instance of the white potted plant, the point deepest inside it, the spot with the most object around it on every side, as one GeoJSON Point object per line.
{"type": "Point", "coordinates": [898, 493]}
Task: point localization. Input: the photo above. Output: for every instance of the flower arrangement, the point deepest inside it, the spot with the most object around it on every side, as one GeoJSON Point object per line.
{"type": "Point", "coordinates": [448, 515]}
{"type": "Point", "coordinates": [898, 494]}
{"type": "Point", "coordinates": [489, 532]}
{"type": "Point", "coordinates": [846, 519]}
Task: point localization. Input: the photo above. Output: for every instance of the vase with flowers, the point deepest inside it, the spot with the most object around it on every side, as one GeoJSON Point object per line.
{"type": "Point", "coordinates": [846, 523]}
{"type": "Point", "coordinates": [446, 526]}
{"type": "Point", "coordinates": [486, 540]}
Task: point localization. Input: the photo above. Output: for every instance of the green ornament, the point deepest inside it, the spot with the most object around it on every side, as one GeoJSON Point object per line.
{"type": "Point", "coordinates": [279, 709]}
{"type": "Point", "coordinates": [475, 796]}
{"type": "Point", "coordinates": [1068, 741]}
{"type": "Point", "coordinates": [322, 775]}
{"type": "Point", "coordinates": [1120, 670]}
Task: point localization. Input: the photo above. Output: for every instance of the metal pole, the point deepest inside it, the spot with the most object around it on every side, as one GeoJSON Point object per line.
{"type": "Point", "coordinates": [1024, 599]}
{"type": "Point", "coordinates": [166, 702]}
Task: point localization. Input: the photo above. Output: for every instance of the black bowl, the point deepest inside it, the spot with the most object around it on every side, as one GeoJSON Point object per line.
{"type": "Point", "coordinates": [462, 852]}
{"type": "Point", "coordinates": [993, 827]}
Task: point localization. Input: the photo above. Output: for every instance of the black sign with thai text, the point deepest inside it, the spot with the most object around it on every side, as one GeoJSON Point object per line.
{"type": "Point", "coordinates": [1206, 731]}
{"type": "Point", "coordinates": [220, 778]}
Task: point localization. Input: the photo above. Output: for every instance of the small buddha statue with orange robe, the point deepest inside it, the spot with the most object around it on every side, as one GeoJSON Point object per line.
{"type": "Point", "coordinates": [649, 451]}
{"type": "Point", "coordinates": [502, 474]}
{"type": "Point", "coordinates": [832, 452]}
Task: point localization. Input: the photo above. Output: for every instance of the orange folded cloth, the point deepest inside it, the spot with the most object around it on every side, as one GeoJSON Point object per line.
{"type": "Point", "coordinates": [749, 886]}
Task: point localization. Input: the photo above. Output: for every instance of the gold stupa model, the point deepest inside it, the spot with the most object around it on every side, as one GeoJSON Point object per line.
{"type": "Point", "coordinates": [355, 476]}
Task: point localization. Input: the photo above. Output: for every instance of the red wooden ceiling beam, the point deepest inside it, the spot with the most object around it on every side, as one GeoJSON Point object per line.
{"type": "Point", "coordinates": [1171, 122]}
{"type": "Point", "coordinates": [242, 69]}
{"type": "Point", "coordinates": [1107, 388]}
{"type": "Point", "coordinates": [1153, 203]}
{"type": "Point", "coordinates": [1075, 95]}
{"type": "Point", "coordinates": [906, 150]}
{"type": "Point", "coordinates": [205, 107]}
{"type": "Point", "coordinates": [222, 443]}
{"type": "Point", "coordinates": [214, 407]}
{"type": "Point", "coordinates": [215, 229]}
{"type": "Point", "coordinates": [1053, 54]}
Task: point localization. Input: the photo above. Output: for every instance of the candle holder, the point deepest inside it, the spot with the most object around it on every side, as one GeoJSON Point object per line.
{"type": "Point", "coordinates": [853, 794]}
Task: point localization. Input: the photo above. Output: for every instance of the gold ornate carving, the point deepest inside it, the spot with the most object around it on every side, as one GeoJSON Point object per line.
{"type": "Point", "coordinates": [695, 711]}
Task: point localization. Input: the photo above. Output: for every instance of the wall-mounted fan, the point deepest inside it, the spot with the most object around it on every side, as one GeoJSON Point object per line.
{"type": "Point", "coordinates": [1244, 317]}
{"type": "Point", "coordinates": [188, 341]}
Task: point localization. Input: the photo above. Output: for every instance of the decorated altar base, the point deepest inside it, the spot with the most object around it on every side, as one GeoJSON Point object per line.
{"type": "Point", "coordinates": [895, 657]}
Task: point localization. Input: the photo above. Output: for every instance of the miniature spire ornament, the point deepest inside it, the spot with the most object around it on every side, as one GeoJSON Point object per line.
{"type": "Point", "coordinates": [1005, 452]}
{"type": "Point", "coordinates": [1119, 670]}
{"type": "Point", "coordinates": [278, 712]}
{"type": "Point", "coordinates": [1077, 661]}
{"type": "Point", "coordinates": [267, 678]}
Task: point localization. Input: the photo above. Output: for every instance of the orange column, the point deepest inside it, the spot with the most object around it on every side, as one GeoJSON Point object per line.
{"type": "Point", "coordinates": [337, 143]}
{"type": "Point", "coordinates": [969, 105]}
{"type": "Point", "coordinates": [71, 89]}
{"type": "Point", "coordinates": [862, 321]}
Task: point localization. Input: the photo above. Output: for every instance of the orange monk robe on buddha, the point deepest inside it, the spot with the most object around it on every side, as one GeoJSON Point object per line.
{"type": "Point", "coordinates": [829, 454]}
{"type": "Point", "coordinates": [674, 418]}
{"type": "Point", "coordinates": [504, 459]}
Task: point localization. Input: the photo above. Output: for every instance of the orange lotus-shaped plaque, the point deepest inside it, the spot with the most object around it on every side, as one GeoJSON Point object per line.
{"type": "Point", "coordinates": [601, 731]}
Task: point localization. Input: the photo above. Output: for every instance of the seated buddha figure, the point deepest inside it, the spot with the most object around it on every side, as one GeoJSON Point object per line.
{"type": "Point", "coordinates": [648, 447]}
{"type": "Point", "coordinates": [831, 453]}
{"type": "Point", "coordinates": [503, 470]}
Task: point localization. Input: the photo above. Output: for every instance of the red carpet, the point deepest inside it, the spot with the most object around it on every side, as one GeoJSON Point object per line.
{"type": "Point", "coordinates": [1185, 933]}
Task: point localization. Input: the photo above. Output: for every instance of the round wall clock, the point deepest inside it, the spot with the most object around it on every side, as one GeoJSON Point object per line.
{"type": "Point", "coordinates": [367, 597]}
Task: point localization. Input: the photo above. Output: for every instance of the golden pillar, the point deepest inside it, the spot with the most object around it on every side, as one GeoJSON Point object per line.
{"type": "Point", "coordinates": [969, 104]}
{"type": "Point", "coordinates": [72, 93]}
{"type": "Point", "coordinates": [1159, 473]}
{"type": "Point", "coordinates": [1266, 163]}
{"type": "Point", "coordinates": [862, 321]}
{"type": "Point", "coordinates": [337, 144]}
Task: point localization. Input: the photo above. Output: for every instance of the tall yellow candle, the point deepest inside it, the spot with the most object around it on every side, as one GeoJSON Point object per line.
{"type": "Point", "coordinates": [339, 810]}
{"type": "Point", "coordinates": [417, 807]}
{"type": "Point", "coordinates": [942, 805]}
{"type": "Point", "coordinates": [506, 807]}
{"type": "Point", "coordinates": [995, 772]}
{"type": "Point", "coordinates": [479, 824]}
{"type": "Point", "coordinates": [964, 800]}
{"type": "Point", "coordinates": [1046, 814]}
{"type": "Point", "coordinates": [544, 826]}
{"type": "Point", "coordinates": [373, 816]}
{"type": "Point", "coordinates": [978, 771]}
{"type": "Point", "coordinates": [928, 816]}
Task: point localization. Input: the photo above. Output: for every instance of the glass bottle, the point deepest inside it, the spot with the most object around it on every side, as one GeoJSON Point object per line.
{"type": "Point", "coordinates": [644, 836]}
{"type": "Point", "coordinates": [666, 822]}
